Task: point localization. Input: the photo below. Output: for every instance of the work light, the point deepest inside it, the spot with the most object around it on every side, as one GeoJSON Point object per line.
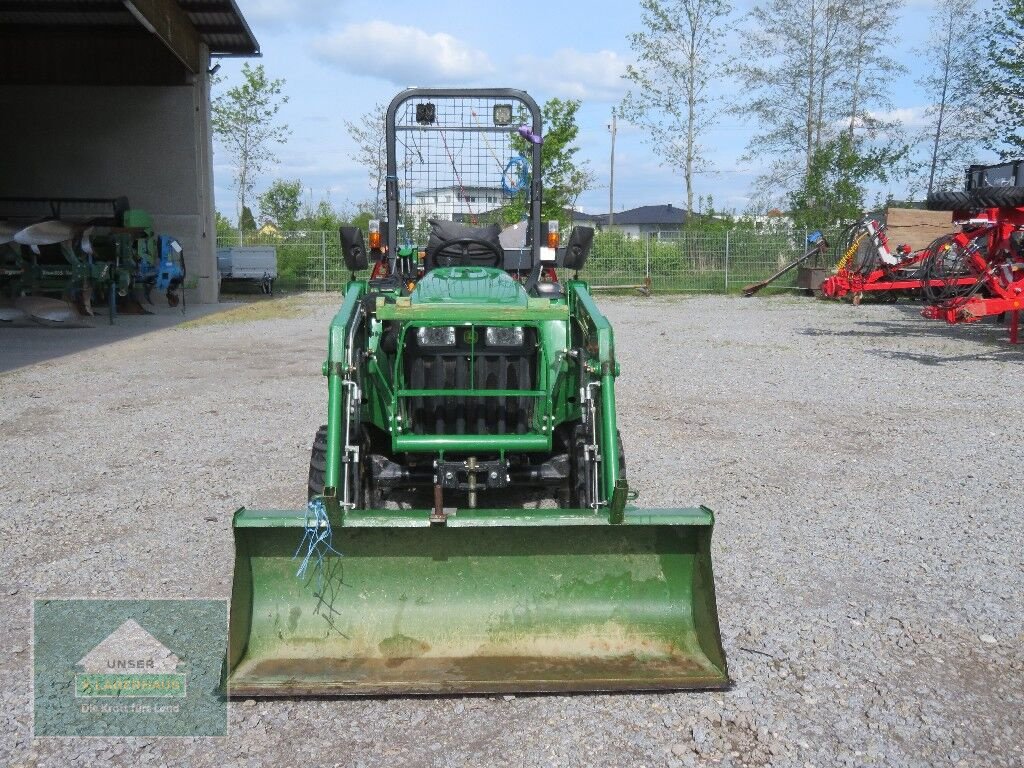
{"type": "Point", "coordinates": [501, 336]}
{"type": "Point", "coordinates": [439, 336]}
{"type": "Point", "coordinates": [502, 114]}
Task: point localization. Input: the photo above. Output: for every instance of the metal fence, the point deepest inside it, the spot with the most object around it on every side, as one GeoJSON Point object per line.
{"type": "Point", "coordinates": [679, 262]}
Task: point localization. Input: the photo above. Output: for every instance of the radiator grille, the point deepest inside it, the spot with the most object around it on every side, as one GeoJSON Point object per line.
{"type": "Point", "coordinates": [471, 415]}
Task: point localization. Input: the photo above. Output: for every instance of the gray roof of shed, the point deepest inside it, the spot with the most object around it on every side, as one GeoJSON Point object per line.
{"type": "Point", "coordinates": [220, 23]}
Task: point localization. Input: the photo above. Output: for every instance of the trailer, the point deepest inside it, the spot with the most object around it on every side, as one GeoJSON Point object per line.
{"type": "Point", "coordinates": [255, 264]}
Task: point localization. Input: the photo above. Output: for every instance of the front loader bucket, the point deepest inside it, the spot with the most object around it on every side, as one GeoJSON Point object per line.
{"type": "Point", "coordinates": [493, 601]}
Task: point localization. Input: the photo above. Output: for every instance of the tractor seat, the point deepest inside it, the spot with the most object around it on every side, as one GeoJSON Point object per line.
{"type": "Point", "coordinates": [473, 255]}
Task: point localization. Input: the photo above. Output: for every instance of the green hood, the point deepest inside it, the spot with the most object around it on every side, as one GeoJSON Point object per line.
{"type": "Point", "coordinates": [469, 285]}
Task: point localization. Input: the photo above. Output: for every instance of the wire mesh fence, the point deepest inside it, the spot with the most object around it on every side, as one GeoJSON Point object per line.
{"type": "Point", "coordinates": [668, 262]}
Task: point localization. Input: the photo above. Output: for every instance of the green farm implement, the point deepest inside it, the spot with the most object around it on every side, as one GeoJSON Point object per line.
{"type": "Point", "coordinates": [470, 526]}
{"type": "Point", "coordinates": [84, 250]}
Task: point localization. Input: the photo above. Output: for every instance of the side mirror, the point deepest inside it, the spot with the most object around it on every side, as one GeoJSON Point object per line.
{"type": "Point", "coordinates": [578, 248]}
{"type": "Point", "coordinates": [352, 248]}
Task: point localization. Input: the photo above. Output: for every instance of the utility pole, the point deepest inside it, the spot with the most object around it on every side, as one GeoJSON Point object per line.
{"type": "Point", "coordinates": [611, 181]}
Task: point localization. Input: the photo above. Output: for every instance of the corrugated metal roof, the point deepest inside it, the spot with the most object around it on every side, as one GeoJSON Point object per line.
{"type": "Point", "coordinates": [219, 22]}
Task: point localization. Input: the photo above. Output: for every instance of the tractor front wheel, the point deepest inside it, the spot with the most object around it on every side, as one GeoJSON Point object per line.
{"type": "Point", "coordinates": [318, 463]}
{"type": "Point", "coordinates": [581, 495]}
{"type": "Point", "coordinates": [318, 470]}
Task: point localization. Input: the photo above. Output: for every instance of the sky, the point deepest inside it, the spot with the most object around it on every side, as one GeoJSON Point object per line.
{"type": "Point", "coordinates": [339, 59]}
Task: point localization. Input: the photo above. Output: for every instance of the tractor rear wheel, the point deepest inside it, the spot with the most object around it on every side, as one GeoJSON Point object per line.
{"type": "Point", "coordinates": [1001, 197]}
{"type": "Point", "coordinates": [982, 197]}
{"type": "Point", "coordinates": [951, 200]}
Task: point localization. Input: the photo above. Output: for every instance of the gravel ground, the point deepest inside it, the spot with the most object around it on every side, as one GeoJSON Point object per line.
{"type": "Point", "coordinates": [861, 460]}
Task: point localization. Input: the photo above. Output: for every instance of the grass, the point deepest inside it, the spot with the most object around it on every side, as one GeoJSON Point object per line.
{"type": "Point", "coordinates": [271, 309]}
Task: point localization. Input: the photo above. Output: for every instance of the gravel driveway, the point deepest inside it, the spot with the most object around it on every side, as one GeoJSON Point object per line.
{"type": "Point", "coordinates": [862, 463]}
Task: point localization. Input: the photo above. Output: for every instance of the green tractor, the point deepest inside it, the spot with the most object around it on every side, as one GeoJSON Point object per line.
{"type": "Point", "coordinates": [469, 526]}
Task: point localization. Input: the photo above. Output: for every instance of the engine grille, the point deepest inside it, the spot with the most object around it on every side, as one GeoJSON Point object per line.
{"type": "Point", "coordinates": [467, 414]}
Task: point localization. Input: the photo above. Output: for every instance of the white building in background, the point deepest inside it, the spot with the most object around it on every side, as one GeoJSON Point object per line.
{"type": "Point", "coordinates": [454, 201]}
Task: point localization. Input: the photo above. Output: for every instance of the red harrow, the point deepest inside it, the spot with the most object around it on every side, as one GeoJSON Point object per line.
{"type": "Point", "coordinates": [990, 248]}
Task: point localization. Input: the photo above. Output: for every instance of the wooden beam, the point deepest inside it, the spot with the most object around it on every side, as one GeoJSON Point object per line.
{"type": "Point", "coordinates": [173, 27]}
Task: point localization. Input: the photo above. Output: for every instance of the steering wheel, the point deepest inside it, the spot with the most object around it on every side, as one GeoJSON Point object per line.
{"type": "Point", "coordinates": [462, 259]}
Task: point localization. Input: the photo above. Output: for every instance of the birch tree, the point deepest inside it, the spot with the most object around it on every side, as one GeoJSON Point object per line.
{"type": "Point", "coordinates": [789, 71]}
{"type": "Point", "coordinates": [1002, 78]}
{"type": "Point", "coordinates": [244, 119]}
{"type": "Point", "coordinates": [950, 135]}
{"type": "Point", "coordinates": [368, 135]}
{"type": "Point", "coordinates": [678, 55]}
{"type": "Point", "coordinates": [813, 69]}
{"type": "Point", "coordinates": [866, 70]}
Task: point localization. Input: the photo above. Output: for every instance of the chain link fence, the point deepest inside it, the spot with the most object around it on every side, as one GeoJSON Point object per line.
{"type": "Point", "coordinates": [661, 262]}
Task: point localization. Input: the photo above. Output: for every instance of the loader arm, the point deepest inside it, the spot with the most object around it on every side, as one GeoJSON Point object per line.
{"type": "Point", "coordinates": [600, 366]}
{"type": "Point", "coordinates": [339, 369]}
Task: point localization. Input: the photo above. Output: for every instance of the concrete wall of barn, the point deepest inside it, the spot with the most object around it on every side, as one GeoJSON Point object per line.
{"type": "Point", "coordinates": [149, 143]}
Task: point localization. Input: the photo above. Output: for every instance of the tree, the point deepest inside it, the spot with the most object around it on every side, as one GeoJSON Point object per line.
{"type": "Point", "coordinates": [364, 214]}
{"type": "Point", "coordinates": [950, 135]}
{"type": "Point", "coordinates": [865, 70]}
{"type": "Point", "coordinates": [677, 57]}
{"type": "Point", "coordinates": [281, 202]}
{"type": "Point", "coordinates": [563, 175]}
{"type": "Point", "coordinates": [224, 227]}
{"type": "Point", "coordinates": [246, 222]}
{"type": "Point", "coordinates": [834, 188]}
{"type": "Point", "coordinates": [581, 178]}
{"type": "Point", "coordinates": [1002, 79]}
{"type": "Point", "coordinates": [244, 119]}
{"type": "Point", "coordinates": [708, 219]}
{"type": "Point", "coordinates": [320, 217]}
{"type": "Point", "coordinates": [790, 47]}
{"type": "Point", "coordinates": [368, 134]}
{"type": "Point", "coordinates": [813, 68]}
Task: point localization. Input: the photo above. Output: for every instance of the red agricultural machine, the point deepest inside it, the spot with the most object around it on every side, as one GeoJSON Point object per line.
{"type": "Point", "coordinates": [868, 267]}
{"type": "Point", "coordinates": [989, 249]}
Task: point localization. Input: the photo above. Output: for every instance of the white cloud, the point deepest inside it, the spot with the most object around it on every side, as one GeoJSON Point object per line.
{"type": "Point", "coordinates": [910, 117]}
{"type": "Point", "coordinates": [403, 55]}
{"type": "Point", "coordinates": [286, 11]}
{"type": "Point", "coordinates": [569, 73]}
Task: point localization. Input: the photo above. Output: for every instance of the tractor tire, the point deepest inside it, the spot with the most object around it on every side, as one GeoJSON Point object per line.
{"type": "Point", "coordinates": [579, 488]}
{"type": "Point", "coordinates": [580, 496]}
{"type": "Point", "coordinates": [318, 470]}
{"type": "Point", "coordinates": [318, 463]}
{"type": "Point", "coordinates": [951, 200]}
{"type": "Point", "coordinates": [1001, 197]}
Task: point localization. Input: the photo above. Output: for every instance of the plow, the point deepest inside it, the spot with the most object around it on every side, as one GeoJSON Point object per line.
{"type": "Point", "coordinates": [470, 527]}
{"type": "Point", "coordinates": [77, 261]}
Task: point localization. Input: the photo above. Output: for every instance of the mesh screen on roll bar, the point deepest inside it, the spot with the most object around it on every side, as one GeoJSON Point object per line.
{"type": "Point", "coordinates": [454, 162]}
